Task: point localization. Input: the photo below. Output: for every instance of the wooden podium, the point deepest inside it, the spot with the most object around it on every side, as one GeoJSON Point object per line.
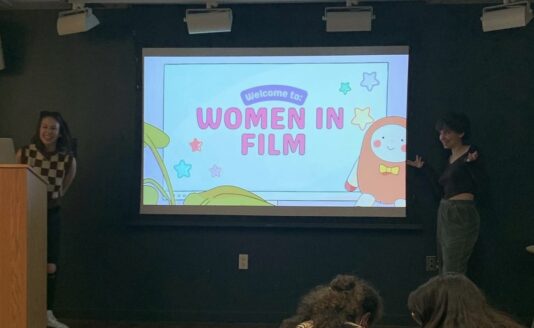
{"type": "Point", "coordinates": [22, 248]}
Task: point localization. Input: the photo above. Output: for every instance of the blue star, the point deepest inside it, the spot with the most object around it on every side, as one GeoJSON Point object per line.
{"type": "Point", "coordinates": [182, 169]}
{"type": "Point", "coordinates": [369, 81]}
{"type": "Point", "coordinates": [344, 88]}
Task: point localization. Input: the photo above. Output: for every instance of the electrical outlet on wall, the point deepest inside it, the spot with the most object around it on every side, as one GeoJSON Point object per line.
{"type": "Point", "coordinates": [432, 263]}
{"type": "Point", "coordinates": [242, 262]}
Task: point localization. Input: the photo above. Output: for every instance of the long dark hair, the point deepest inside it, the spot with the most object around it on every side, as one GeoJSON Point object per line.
{"type": "Point", "coordinates": [346, 298]}
{"type": "Point", "coordinates": [451, 300]}
{"type": "Point", "coordinates": [64, 142]}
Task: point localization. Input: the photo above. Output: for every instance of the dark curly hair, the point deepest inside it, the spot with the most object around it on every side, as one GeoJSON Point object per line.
{"type": "Point", "coordinates": [345, 299]}
{"type": "Point", "coordinates": [451, 300]}
{"type": "Point", "coordinates": [457, 122]}
{"type": "Point", "coordinates": [64, 142]}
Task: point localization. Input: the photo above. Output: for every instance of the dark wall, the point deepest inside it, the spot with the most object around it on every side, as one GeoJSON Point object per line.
{"type": "Point", "coordinates": [111, 269]}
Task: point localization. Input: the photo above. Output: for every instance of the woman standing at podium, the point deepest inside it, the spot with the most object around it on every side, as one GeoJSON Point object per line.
{"type": "Point", "coordinates": [51, 156]}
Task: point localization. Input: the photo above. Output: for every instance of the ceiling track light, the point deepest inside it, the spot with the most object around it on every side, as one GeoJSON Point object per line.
{"type": "Point", "coordinates": [79, 19]}
{"type": "Point", "coordinates": [510, 14]}
{"type": "Point", "coordinates": [352, 18]}
{"type": "Point", "coordinates": [208, 20]}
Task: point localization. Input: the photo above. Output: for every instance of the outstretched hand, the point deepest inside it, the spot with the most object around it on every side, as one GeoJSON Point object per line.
{"type": "Point", "coordinates": [471, 157]}
{"type": "Point", "coordinates": [418, 163]}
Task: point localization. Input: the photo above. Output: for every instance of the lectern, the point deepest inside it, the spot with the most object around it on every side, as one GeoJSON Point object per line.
{"type": "Point", "coordinates": [22, 248]}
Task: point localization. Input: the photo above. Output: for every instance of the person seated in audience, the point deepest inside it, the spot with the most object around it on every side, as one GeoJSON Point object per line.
{"type": "Point", "coordinates": [345, 302]}
{"type": "Point", "coordinates": [451, 300]}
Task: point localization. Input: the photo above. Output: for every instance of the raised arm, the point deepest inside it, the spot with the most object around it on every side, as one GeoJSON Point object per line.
{"type": "Point", "coordinates": [477, 170]}
{"type": "Point", "coordinates": [71, 174]}
{"type": "Point", "coordinates": [428, 171]}
{"type": "Point", "coordinates": [418, 163]}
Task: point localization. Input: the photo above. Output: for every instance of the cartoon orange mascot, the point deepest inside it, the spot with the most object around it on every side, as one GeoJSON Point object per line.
{"type": "Point", "coordinates": [380, 171]}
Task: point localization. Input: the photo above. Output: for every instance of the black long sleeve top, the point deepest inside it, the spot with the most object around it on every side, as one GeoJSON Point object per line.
{"type": "Point", "coordinates": [460, 176]}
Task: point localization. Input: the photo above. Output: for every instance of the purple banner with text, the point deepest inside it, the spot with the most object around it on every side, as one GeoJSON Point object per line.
{"type": "Point", "coordinates": [274, 92]}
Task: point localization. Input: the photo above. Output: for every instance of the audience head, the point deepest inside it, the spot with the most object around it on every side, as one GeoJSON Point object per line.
{"type": "Point", "coordinates": [346, 301]}
{"type": "Point", "coordinates": [457, 122]}
{"type": "Point", "coordinates": [452, 300]}
{"type": "Point", "coordinates": [52, 129]}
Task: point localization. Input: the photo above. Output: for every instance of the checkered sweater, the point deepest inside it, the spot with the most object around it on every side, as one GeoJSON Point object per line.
{"type": "Point", "coordinates": [52, 168]}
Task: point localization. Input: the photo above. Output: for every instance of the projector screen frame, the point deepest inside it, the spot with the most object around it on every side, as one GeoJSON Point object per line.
{"type": "Point", "coordinates": [226, 213]}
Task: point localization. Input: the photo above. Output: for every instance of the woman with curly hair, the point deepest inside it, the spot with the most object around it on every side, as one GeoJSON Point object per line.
{"type": "Point", "coordinates": [451, 300]}
{"type": "Point", "coordinates": [346, 302]}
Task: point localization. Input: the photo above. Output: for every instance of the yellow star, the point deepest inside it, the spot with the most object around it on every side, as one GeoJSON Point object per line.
{"type": "Point", "coordinates": [362, 117]}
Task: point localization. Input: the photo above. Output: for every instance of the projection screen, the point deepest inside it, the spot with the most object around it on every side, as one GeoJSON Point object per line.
{"type": "Point", "coordinates": [275, 131]}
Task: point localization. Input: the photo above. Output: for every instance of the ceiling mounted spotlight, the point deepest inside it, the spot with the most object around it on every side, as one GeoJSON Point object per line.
{"type": "Point", "coordinates": [208, 20]}
{"type": "Point", "coordinates": [505, 16]}
{"type": "Point", "coordinates": [351, 18]}
{"type": "Point", "coordinates": [77, 20]}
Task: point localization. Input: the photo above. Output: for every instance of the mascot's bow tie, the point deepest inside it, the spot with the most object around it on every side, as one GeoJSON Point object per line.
{"type": "Point", "coordinates": [389, 169]}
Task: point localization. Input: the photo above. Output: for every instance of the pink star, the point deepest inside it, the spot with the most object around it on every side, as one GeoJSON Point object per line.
{"type": "Point", "coordinates": [196, 145]}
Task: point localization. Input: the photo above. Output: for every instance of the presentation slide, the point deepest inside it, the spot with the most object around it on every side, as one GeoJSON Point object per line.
{"type": "Point", "coordinates": [275, 131]}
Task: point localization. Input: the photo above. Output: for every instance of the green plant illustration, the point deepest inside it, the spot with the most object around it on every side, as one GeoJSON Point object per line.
{"type": "Point", "coordinates": [155, 139]}
{"type": "Point", "coordinates": [226, 195]}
